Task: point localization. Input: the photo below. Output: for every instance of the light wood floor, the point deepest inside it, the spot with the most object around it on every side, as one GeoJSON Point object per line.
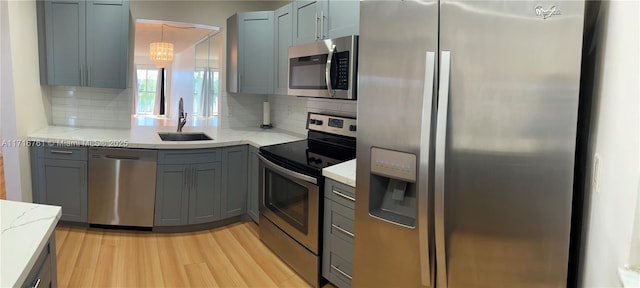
{"type": "Point", "coordinates": [231, 256]}
{"type": "Point", "coordinates": [3, 189]}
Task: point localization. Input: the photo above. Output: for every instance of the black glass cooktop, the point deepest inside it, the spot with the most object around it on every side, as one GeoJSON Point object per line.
{"type": "Point", "coordinates": [308, 156]}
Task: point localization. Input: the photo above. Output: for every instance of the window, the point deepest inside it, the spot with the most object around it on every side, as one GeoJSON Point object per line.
{"type": "Point", "coordinates": [205, 92]}
{"type": "Point", "coordinates": [147, 90]}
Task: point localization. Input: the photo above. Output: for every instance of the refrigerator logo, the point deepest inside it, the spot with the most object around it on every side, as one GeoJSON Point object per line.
{"type": "Point", "coordinates": [547, 13]}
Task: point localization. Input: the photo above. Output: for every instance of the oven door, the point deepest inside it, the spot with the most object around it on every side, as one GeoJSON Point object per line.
{"type": "Point", "coordinates": [291, 201]}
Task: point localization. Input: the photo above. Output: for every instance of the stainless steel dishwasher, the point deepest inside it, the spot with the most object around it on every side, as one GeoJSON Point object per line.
{"type": "Point", "coordinates": [122, 186]}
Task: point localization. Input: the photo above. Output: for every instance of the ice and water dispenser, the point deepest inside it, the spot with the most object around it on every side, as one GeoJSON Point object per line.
{"type": "Point", "coordinates": [393, 192]}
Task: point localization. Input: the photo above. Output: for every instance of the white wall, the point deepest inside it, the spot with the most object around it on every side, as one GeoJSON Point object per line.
{"type": "Point", "coordinates": [26, 104]}
{"type": "Point", "coordinates": [181, 81]}
{"type": "Point", "coordinates": [615, 138]}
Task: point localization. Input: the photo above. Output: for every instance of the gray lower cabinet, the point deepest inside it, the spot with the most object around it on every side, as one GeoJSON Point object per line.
{"type": "Point", "coordinates": [60, 178]}
{"type": "Point", "coordinates": [44, 272]}
{"type": "Point", "coordinates": [338, 233]}
{"type": "Point", "coordinates": [234, 184]}
{"type": "Point", "coordinates": [187, 192]}
{"type": "Point", "coordinates": [253, 197]}
{"type": "Point", "coordinates": [204, 197]}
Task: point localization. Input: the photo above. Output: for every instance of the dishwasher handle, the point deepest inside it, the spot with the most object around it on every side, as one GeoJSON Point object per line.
{"type": "Point", "coordinates": [120, 157]}
{"type": "Point", "coordinates": [123, 154]}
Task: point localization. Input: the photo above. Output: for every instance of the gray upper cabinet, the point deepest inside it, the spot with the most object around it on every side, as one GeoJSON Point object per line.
{"type": "Point", "coordinates": [250, 50]}
{"type": "Point", "coordinates": [107, 43]}
{"type": "Point", "coordinates": [253, 198]}
{"type": "Point", "coordinates": [305, 21]}
{"type": "Point", "coordinates": [324, 19]}
{"type": "Point", "coordinates": [234, 175]}
{"type": "Point", "coordinates": [60, 178]}
{"type": "Point", "coordinates": [342, 18]}
{"type": "Point", "coordinates": [85, 42]}
{"type": "Point", "coordinates": [283, 19]}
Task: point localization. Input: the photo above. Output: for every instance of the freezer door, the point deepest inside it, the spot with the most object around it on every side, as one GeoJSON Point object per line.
{"type": "Point", "coordinates": [397, 64]}
{"type": "Point", "coordinates": [510, 140]}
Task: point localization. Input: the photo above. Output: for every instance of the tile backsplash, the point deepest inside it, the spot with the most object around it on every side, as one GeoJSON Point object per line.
{"type": "Point", "coordinates": [91, 107]}
{"type": "Point", "coordinates": [240, 110]}
{"type": "Point", "coordinates": [290, 112]}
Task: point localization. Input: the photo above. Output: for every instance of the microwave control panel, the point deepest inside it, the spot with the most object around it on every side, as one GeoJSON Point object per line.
{"type": "Point", "coordinates": [342, 70]}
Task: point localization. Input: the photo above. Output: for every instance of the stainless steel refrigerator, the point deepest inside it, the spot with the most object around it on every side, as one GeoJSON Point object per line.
{"type": "Point", "coordinates": [467, 122]}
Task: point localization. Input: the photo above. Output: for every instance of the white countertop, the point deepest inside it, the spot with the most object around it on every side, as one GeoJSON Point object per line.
{"type": "Point", "coordinates": [344, 172]}
{"type": "Point", "coordinates": [26, 229]}
{"type": "Point", "coordinates": [147, 137]}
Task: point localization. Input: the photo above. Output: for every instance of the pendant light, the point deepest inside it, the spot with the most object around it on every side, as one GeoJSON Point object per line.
{"type": "Point", "coordinates": [161, 52]}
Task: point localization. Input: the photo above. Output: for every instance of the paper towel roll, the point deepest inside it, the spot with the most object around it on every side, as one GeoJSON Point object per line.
{"type": "Point", "coordinates": [266, 113]}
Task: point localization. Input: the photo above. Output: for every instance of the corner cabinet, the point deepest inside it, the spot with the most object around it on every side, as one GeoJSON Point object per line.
{"type": "Point", "coordinates": [339, 215]}
{"type": "Point", "coordinates": [60, 178]}
{"type": "Point", "coordinates": [283, 19]}
{"type": "Point", "coordinates": [250, 50]}
{"type": "Point", "coordinates": [188, 187]}
{"type": "Point", "coordinates": [324, 19]}
{"type": "Point", "coordinates": [234, 174]}
{"type": "Point", "coordinates": [84, 43]}
{"type": "Point", "coordinates": [253, 196]}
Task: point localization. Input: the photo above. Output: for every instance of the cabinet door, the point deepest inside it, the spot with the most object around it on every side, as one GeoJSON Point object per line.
{"type": "Point", "coordinates": [234, 177]}
{"type": "Point", "coordinates": [64, 184]}
{"type": "Point", "coordinates": [255, 36]}
{"type": "Point", "coordinates": [107, 43]}
{"type": "Point", "coordinates": [204, 195]}
{"type": "Point", "coordinates": [305, 21]}
{"type": "Point", "coordinates": [65, 42]}
{"type": "Point", "coordinates": [342, 18]}
{"type": "Point", "coordinates": [172, 195]}
{"type": "Point", "coordinates": [253, 196]}
{"type": "Point", "coordinates": [283, 39]}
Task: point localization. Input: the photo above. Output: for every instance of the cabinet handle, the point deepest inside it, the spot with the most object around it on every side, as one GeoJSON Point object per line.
{"type": "Point", "coordinates": [315, 31]}
{"type": "Point", "coordinates": [186, 179]}
{"type": "Point", "coordinates": [341, 272]}
{"type": "Point", "coordinates": [342, 230]}
{"type": "Point", "coordinates": [81, 73]}
{"type": "Point", "coordinates": [89, 75]}
{"type": "Point", "coordinates": [37, 283]}
{"type": "Point", "coordinates": [193, 177]}
{"type": "Point", "coordinates": [344, 196]}
{"type": "Point", "coordinates": [322, 36]}
{"type": "Point", "coordinates": [61, 152]}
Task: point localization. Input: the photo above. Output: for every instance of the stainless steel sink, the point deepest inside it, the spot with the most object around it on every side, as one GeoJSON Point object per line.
{"type": "Point", "coordinates": [183, 136]}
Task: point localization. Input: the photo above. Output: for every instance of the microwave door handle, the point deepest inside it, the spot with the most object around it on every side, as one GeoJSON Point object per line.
{"type": "Point", "coordinates": [328, 70]}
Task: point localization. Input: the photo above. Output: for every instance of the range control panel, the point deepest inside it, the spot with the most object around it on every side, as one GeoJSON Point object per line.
{"type": "Point", "coordinates": [339, 125]}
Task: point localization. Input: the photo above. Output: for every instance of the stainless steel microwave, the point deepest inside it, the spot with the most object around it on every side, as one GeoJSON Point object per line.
{"type": "Point", "coordinates": [324, 69]}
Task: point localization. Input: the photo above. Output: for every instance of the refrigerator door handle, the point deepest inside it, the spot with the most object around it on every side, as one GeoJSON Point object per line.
{"type": "Point", "coordinates": [441, 138]}
{"type": "Point", "coordinates": [425, 140]}
{"type": "Point", "coordinates": [328, 70]}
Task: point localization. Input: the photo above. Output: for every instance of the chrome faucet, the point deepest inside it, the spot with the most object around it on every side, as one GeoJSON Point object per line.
{"type": "Point", "coordinates": [182, 118]}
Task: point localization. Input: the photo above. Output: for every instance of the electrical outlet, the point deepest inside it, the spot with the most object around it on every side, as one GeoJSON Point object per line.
{"type": "Point", "coordinates": [596, 174]}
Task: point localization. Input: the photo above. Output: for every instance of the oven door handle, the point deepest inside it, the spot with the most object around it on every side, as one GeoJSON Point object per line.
{"type": "Point", "coordinates": [287, 172]}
